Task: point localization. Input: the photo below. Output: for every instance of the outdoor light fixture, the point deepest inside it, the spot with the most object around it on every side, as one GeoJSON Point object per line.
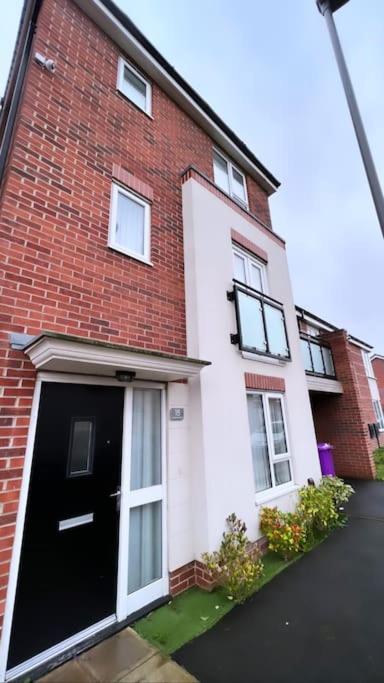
{"type": "Point", "coordinates": [125, 375]}
{"type": "Point", "coordinates": [327, 8]}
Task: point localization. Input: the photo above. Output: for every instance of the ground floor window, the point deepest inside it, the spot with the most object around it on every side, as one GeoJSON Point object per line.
{"type": "Point", "coordinates": [379, 414]}
{"type": "Point", "coordinates": [269, 441]}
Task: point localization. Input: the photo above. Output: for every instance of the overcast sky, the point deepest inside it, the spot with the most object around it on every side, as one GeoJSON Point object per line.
{"type": "Point", "coordinates": [267, 68]}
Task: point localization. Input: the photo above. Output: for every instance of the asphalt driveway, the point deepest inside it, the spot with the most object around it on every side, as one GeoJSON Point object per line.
{"type": "Point", "coordinates": [321, 620]}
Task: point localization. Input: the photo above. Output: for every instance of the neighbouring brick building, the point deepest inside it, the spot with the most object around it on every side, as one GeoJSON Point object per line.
{"type": "Point", "coordinates": [344, 394]}
{"type": "Point", "coordinates": [152, 380]}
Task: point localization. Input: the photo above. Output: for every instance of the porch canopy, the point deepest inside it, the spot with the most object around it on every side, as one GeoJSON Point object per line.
{"type": "Point", "coordinates": [77, 355]}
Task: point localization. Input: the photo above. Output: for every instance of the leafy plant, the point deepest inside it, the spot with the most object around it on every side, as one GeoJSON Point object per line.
{"type": "Point", "coordinates": [285, 532]}
{"type": "Point", "coordinates": [317, 509]}
{"type": "Point", "coordinates": [236, 565]}
{"type": "Point", "coordinates": [338, 490]}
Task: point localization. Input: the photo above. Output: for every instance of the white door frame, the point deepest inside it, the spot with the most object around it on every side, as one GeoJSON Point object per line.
{"type": "Point", "coordinates": [123, 536]}
{"type": "Point", "coordinates": [128, 604]}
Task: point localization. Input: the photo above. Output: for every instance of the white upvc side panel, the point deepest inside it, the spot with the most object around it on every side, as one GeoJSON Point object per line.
{"type": "Point", "coordinates": [220, 441]}
{"type": "Point", "coordinates": [179, 475]}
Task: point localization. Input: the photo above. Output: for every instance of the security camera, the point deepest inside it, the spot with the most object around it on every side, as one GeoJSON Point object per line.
{"type": "Point", "coordinates": [50, 65]}
{"type": "Point", "coordinates": [47, 64]}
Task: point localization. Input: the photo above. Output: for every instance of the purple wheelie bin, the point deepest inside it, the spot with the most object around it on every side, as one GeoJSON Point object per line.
{"type": "Point", "coordinates": [326, 459]}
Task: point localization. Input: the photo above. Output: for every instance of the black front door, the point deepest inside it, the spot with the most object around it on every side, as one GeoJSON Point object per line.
{"type": "Point", "coordinates": [68, 568]}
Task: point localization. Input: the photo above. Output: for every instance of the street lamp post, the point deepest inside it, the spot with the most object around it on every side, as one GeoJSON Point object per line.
{"type": "Point", "coordinates": [327, 8]}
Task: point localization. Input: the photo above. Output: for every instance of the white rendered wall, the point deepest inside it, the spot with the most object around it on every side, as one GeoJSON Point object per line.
{"type": "Point", "coordinates": [219, 448]}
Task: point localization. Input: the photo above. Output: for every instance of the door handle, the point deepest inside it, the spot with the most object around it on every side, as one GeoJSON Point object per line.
{"type": "Point", "coordinates": [116, 494]}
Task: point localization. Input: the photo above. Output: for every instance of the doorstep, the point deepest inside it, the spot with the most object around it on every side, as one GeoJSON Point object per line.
{"type": "Point", "coordinates": [125, 657]}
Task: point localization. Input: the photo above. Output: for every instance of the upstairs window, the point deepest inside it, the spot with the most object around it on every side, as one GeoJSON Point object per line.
{"type": "Point", "coordinates": [367, 364]}
{"type": "Point", "coordinates": [129, 225]}
{"type": "Point", "coordinates": [260, 319]}
{"type": "Point", "coordinates": [134, 86]}
{"type": "Point", "coordinates": [229, 178]}
{"type": "Point", "coordinates": [248, 270]}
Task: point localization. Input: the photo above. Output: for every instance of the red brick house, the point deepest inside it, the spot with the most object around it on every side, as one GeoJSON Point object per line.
{"type": "Point", "coordinates": [344, 394]}
{"type": "Point", "coordinates": [145, 395]}
{"type": "Point", "coordinates": [152, 380]}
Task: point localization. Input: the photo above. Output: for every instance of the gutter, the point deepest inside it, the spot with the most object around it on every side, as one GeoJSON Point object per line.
{"type": "Point", "coordinates": [16, 77]}
{"type": "Point", "coordinates": [307, 317]}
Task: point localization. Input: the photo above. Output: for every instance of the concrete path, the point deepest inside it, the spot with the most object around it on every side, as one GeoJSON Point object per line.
{"type": "Point", "coordinates": [320, 621]}
{"type": "Point", "coordinates": [125, 657]}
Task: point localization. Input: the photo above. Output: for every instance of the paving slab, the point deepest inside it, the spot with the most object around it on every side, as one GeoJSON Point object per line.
{"type": "Point", "coordinates": [165, 671]}
{"type": "Point", "coordinates": [319, 620]}
{"type": "Point", "coordinates": [111, 659]}
{"type": "Point", "coordinates": [70, 672]}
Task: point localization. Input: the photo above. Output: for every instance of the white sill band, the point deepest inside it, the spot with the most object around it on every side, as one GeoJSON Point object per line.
{"type": "Point", "coordinates": [262, 359]}
{"type": "Point", "coordinates": [273, 494]}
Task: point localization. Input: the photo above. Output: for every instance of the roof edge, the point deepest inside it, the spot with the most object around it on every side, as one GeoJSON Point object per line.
{"type": "Point", "coordinates": [356, 340]}
{"type": "Point", "coordinates": [15, 82]}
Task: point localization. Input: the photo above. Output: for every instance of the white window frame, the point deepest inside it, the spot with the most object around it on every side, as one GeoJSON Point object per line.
{"type": "Point", "coordinates": [112, 242]}
{"type": "Point", "coordinates": [377, 407]}
{"type": "Point", "coordinates": [248, 260]}
{"type": "Point", "coordinates": [275, 489]}
{"type": "Point", "coordinates": [367, 364]}
{"type": "Point", "coordinates": [123, 64]}
{"type": "Point", "coordinates": [231, 166]}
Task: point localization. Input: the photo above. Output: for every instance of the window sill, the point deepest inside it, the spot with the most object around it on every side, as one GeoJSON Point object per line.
{"type": "Point", "coordinates": [239, 202]}
{"type": "Point", "coordinates": [264, 359]}
{"type": "Point", "coordinates": [128, 99]}
{"type": "Point", "coordinates": [273, 494]}
{"type": "Point", "coordinates": [131, 254]}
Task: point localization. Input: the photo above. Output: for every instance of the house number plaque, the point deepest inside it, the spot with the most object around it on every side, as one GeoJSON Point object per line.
{"type": "Point", "coordinates": [176, 413]}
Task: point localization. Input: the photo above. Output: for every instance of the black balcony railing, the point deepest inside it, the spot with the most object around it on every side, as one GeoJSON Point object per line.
{"type": "Point", "coordinates": [317, 356]}
{"type": "Point", "coordinates": [261, 324]}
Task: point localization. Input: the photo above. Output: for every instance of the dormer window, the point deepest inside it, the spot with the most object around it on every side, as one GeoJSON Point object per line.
{"type": "Point", "coordinates": [229, 178]}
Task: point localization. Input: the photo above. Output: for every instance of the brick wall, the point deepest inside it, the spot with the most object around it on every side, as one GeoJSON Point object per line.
{"type": "Point", "coordinates": [73, 133]}
{"type": "Point", "coordinates": [264, 382]}
{"type": "Point", "coordinates": [195, 573]}
{"type": "Point", "coordinates": [343, 419]}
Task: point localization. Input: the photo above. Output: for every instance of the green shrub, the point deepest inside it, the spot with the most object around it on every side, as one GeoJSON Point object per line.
{"type": "Point", "coordinates": [285, 532]}
{"type": "Point", "coordinates": [317, 509]}
{"type": "Point", "coordinates": [338, 489]}
{"type": "Point", "coordinates": [236, 565]}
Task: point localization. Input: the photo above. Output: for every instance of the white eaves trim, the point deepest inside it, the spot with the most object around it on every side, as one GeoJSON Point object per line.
{"type": "Point", "coordinates": [360, 344]}
{"type": "Point", "coordinates": [62, 355]}
{"type": "Point", "coordinates": [131, 46]}
{"type": "Point", "coordinates": [315, 323]}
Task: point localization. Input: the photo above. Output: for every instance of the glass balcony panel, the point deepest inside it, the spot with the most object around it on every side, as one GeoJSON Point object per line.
{"type": "Point", "coordinates": [318, 365]}
{"type": "Point", "coordinates": [251, 322]}
{"type": "Point", "coordinates": [277, 338]}
{"type": "Point", "coordinates": [328, 361]}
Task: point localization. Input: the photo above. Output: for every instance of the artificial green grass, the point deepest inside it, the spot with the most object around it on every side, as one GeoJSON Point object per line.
{"type": "Point", "coordinates": [379, 460]}
{"type": "Point", "coordinates": [195, 611]}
